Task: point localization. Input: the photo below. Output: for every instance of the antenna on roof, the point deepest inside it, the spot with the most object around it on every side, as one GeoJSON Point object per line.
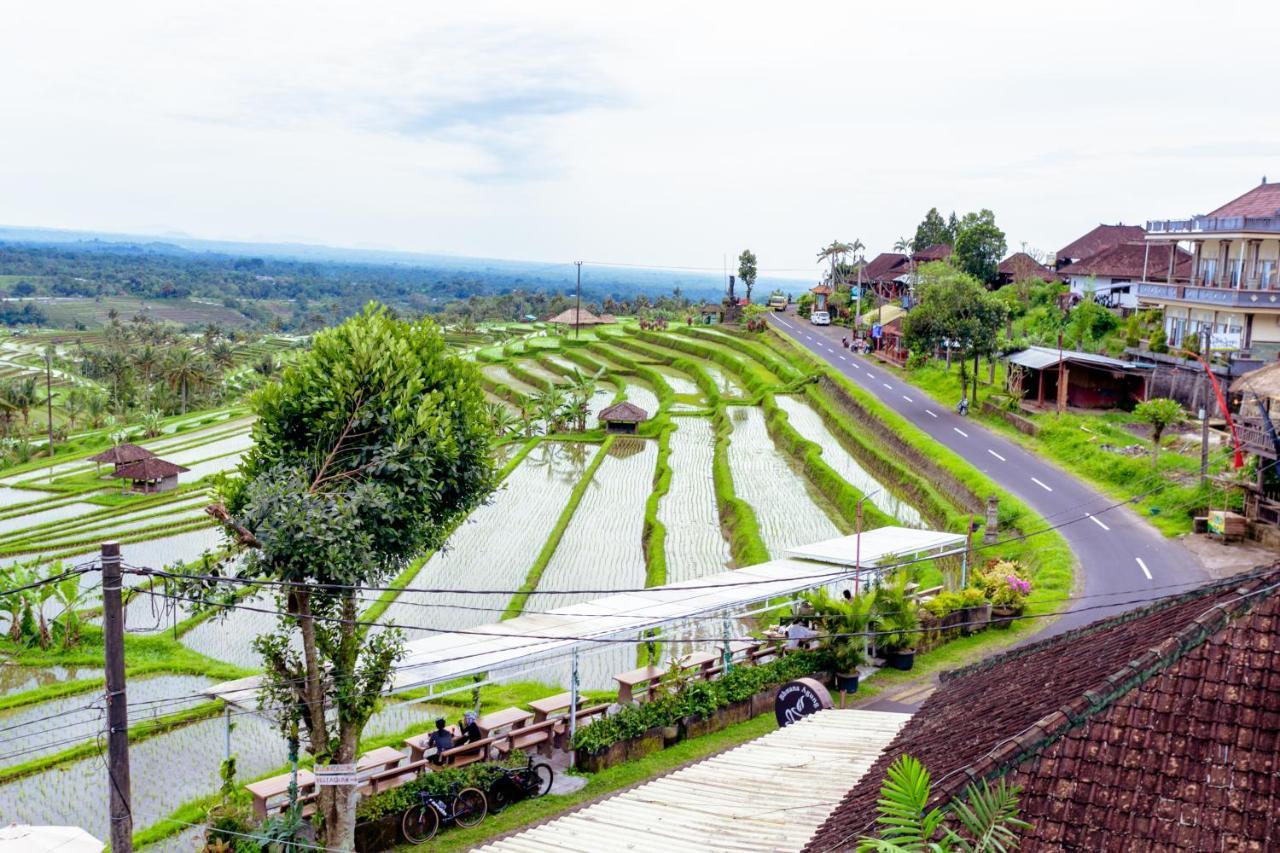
{"type": "Point", "coordinates": [1264, 179]}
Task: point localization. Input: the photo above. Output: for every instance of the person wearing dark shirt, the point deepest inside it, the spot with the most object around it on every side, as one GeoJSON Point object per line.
{"type": "Point", "coordinates": [441, 739]}
{"type": "Point", "coordinates": [470, 731]}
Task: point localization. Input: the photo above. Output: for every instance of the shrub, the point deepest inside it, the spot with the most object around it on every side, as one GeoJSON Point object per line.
{"type": "Point", "coordinates": [972, 597]}
{"type": "Point", "coordinates": [944, 603]}
{"type": "Point", "coordinates": [440, 783]}
{"type": "Point", "coordinates": [1158, 342]}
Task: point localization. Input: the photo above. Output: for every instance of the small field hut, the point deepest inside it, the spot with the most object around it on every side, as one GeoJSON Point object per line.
{"type": "Point", "coordinates": [624, 417]}
{"type": "Point", "coordinates": [121, 454]}
{"type": "Point", "coordinates": [1079, 379]}
{"type": "Point", "coordinates": [152, 474]}
{"type": "Point", "coordinates": [576, 318]}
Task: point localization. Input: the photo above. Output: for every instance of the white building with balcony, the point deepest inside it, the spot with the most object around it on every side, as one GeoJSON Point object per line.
{"type": "Point", "coordinates": [1234, 287]}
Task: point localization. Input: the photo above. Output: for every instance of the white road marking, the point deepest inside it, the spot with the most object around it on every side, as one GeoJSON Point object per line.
{"type": "Point", "coordinates": [962, 432]}
{"type": "Point", "coordinates": [1098, 522]}
{"type": "Point", "coordinates": [1144, 568]}
{"type": "Point", "coordinates": [842, 358]}
{"type": "Point", "coordinates": [908, 399]}
{"type": "Point", "coordinates": [887, 385]}
{"type": "Point", "coordinates": [929, 413]}
{"type": "Point", "coordinates": [1041, 485]}
{"type": "Point", "coordinates": [996, 455]}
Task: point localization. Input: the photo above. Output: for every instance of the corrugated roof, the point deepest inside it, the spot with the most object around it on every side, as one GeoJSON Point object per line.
{"type": "Point", "coordinates": [1038, 358]}
{"type": "Point", "coordinates": [767, 794]}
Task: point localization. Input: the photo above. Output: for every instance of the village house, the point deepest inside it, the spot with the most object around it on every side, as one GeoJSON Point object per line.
{"type": "Point", "coordinates": [1110, 275]}
{"type": "Point", "coordinates": [1047, 377]}
{"type": "Point", "coordinates": [888, 274]}
{"type": "Point", "coordinates": [1020, 267]}
{"type": "Point", "coordinates": [1234, 288]}
{"type": "Point", "coordinates": [1098, 240]}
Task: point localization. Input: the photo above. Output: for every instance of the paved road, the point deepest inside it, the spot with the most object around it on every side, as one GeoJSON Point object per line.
{"type": "Point", "coordinates": [1122, 557]}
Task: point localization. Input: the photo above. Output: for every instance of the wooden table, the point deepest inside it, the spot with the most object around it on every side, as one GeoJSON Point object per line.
{"type": "Point", "coordinates": [506, 718]}
{"type": "Point", "coordinates": [543, 708]}
{"type": "Point", "coordinates": [382, 758]}
{"type": "Point", "coordinates": [420, 745]}
{"type": "Point", "coordinates": [645, 676]}
{"type": "Point", "coordinates": [704, 660]}
{"type": "Point", "coordinates": [264, 789]}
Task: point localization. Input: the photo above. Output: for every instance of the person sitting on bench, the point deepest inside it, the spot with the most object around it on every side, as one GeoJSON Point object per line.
{"type": "Point", "coordinates": [470, 731]}
{"type": "Point", "coordinates": [441, 739]}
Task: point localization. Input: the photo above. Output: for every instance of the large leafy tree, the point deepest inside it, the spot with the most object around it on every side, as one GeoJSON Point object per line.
{"type": "Point", "coordinates": [746, 271]}
{"type": "Point", "coordinates": [979, 245]}
{"type": "Point", "coordinates": [367, 451]}
{"type": "Point", "coordinates": [953, 306]}
{"type": "Point", "coordinates": [933, 229]}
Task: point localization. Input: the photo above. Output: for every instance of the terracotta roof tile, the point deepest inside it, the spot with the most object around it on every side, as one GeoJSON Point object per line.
{"type": "Point", "coordinates": [1262, 200]}
{"type": "Point", "coordinates": [1126, 261]}
{"type": "Point", "coordinates": [936, 252]}
{"type": "Point", "coordinates": [885, 267]}
{"type": "Point", "coordinates": [1157, 729]}
{"type": "Point", "coordinates": [122, 454]}
{"type": "Point", "coordinates": [1099, 239]}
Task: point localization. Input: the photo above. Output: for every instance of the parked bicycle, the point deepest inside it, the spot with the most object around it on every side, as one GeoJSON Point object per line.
{"type": "Point", "coordinates": [466, 807]}
{"type": "Point", "coordinates": [520, 783]}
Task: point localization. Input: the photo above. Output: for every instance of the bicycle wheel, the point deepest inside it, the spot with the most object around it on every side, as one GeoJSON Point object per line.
{"type": "Point", "coordinates": [420, 824]}
{"type": "Point", "coordinates": [502, 793]}
{"type": "Point", "coordinates": [545, 776]}
{"type": "Point", "coordinates": [470, 807]}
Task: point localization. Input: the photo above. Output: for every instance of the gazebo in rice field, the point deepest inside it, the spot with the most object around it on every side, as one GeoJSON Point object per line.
{"type": "Point", "coordinates": [577, 318]}
{"type": "Point", "coordinates": [122, 454]}
{"type": "Point", "coordinates": [624, 417]}
{"type": "Point", "coordinates": [152, 474]}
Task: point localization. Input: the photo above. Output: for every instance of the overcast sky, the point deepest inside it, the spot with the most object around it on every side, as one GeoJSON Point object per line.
{"type": "Point", "coordinates": [654, 133]}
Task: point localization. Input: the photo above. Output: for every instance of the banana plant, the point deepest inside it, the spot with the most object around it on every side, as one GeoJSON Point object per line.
{"type": "Point", "coordinates": [71, 597]}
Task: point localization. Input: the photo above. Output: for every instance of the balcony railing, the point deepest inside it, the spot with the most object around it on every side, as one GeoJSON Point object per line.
{"type": "Point", "coordinates": [1227, 297]}
{"type": "Point", "coordinates": [1214, 224]}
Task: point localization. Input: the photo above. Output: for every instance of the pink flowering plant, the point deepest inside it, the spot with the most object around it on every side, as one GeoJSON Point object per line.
{"type": "Point", "coordinates": [1006, 584]}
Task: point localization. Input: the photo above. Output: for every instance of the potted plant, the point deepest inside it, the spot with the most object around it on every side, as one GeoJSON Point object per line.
{"type": "Point", "coordinates": [948, 609]}
{"type": "Point", "coordinates": [1006, 586]}
{"type": "Point", "coordinates": [898, 622]}
{"type": "Point", "coordinates": [845, 622]}
{"type": "Point", "coordinates": [976, 610]}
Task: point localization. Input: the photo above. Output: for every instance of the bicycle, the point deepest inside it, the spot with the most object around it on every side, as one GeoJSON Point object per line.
{"type": "Point", "coordinates": [466, 807]}
{"type": "Point", "coordinates": [520, 783]}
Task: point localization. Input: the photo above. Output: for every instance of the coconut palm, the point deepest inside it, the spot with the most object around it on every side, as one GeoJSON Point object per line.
{"type": "Point", "coordinates": [835, 255]}
{"type": "Point", "coordinates": [223, 355]}
{"type": "Point", "coordinates": [184, 370]}
{"type": "Point", "coordinates": [73, 403]}
{"type": "Point", "coordinates": [550, 405]}
{"type": "Point", "coordinates": [96, 407]}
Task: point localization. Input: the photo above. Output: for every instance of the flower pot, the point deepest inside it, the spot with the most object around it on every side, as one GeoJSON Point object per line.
{"type": "Point", "coordinates": [698, 726]}
{"type": "Point", "coordinates": [670, 736]}
{"type": "Point", "coordinates": [736, 712]}
{"type": "Point", "coordinates": [976, 619]}
{"type": "Point", "coordinates": [650, 742]}
{"type": "Point", "coordinates": [847, 682]}
{"type": "Point", "coordinates": [903, 659]}
{"type": "Point", "coordinates": [594, 762]}
{"type": "Point", "coordinates": [1002, 617]}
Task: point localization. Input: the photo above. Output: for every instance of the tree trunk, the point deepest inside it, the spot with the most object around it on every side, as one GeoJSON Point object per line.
{"type": "Point", "coordinates": [313, 692]}
{"type": "Point", "coordinates": [340, 825]}
{"type": "Point", "coordinates": [184, 396]}
{"type": "Point", "coordinates": [975, 379]}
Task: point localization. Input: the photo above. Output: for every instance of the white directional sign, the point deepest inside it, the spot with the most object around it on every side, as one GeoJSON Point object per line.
{"type": "Point", "coordinates": [335, 774]}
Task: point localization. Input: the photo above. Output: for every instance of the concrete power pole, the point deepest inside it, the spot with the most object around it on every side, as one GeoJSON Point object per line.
{"type": "Point", "coordinates": [577, 318]}
{"type": "Point", "coordinates": [48, 393]}
{"type": "Point", "coordinates": [117, 702]}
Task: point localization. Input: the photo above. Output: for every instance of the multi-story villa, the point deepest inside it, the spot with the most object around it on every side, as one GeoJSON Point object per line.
{"type": "Point", "coordinates": [1234, 288]}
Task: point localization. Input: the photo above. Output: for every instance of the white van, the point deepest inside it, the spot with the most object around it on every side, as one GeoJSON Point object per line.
{"type": "Point", "coordinates": [820, 318]}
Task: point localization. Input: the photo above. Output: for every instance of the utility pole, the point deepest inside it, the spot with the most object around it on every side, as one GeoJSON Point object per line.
{"type": "Point", "coordinates": [1062, 392]}
{"type": "Point", "coordinates": [1204, 417]}
{"type": "Point", "coordinates": [48, 392]}
{"type": "Point", "coordinates": [117, 702]}
{"type": "Point", "coordinates": [577, 318]}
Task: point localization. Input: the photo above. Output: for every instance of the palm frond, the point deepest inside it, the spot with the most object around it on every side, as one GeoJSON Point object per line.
{"type": "Point", "coordinates": [990, 816]}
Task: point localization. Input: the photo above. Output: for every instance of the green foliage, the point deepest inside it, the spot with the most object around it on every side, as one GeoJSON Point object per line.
{"type": "Point", "coordinates": [944, 603]}
{"type": "Point", "coordinates": [747, 270]}
{"type": "Point", "coordinates": [979, 245]}
{"type": "Point", "coordinates": [933, 229]}
{"type": "Point", "coordinates": [1158, 341]}
{"type": "Point", "coordinates": [987, 816]}
{"type": "Point", "coordinates": [895, 613]}
{"type": "Point", "coordinates": [953, 306]}
{"type": "Point", "coordinates": [695, 698]}
{"type": "Point", "coordinates": [1161, 413]}
{"type": "Point", "coordinates": [1132, 331]}
{"type": "Point", "coordinates": [1089, 323]}
{"type": "Point", "coordinates": [844, 626]}
{"type": "Point", "coordinates": [439, 783]}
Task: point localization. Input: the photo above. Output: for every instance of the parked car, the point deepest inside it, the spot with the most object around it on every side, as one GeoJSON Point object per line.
{"type": "Point", "coordinates": [820, 318]}
{"type": "Point", "coordinates": [778, 302]}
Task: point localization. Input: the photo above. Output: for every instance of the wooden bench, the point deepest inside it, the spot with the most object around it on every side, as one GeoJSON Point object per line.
{"type": "Point", "coordinates": [498, 722]}
{"type": "Point", "coordinates": [544, 708]}
{"type": "Point", "coordinates": [647, 678]}
{"type": "Point", "coordinates": [264, 790]}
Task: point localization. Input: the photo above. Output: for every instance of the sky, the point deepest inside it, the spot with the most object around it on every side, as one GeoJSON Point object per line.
{"type": "Point", "coordinates": [667, 134]}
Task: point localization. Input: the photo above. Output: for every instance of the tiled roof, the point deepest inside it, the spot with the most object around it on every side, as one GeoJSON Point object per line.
{"type": "Point", "coordinates": [1262, 200]}
{"type": "Point", "coordinates": [1126, 261]}
{"type": "Point", "coordinates": [1101, 238]}
{"type": "Point", "coordinates": [1020, 266]}
{"type": "Point", "coordinates": [936, 252]}
{"type": "Point", "coordinates": [822, 290]}
{"type": "Point", "coordinates": [885, 266]}
{"type": "Point", "coordinates": [151, 468]}
{"type": "Point", "coordinates": [1153, 730]}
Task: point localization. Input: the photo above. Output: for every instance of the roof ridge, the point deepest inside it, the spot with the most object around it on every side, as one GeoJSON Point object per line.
{"type": "Point", "coordinates": [1106, 624]}
{"type": "Point", "coordinates": [1113, 686]}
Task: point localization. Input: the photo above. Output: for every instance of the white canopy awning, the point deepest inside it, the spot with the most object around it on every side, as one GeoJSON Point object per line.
{"type": "Point", "coordinates": [882, 546]}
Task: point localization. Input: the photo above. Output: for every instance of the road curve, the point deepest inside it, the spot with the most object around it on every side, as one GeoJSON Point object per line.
{"type": "Point", "coordinates": [1123, 560]}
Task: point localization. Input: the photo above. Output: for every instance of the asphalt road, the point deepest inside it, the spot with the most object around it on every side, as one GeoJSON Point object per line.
{"type": "Point", "coordinates": [1123, 559]}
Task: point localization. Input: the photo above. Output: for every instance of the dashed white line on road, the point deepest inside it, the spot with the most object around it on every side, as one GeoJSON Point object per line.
{"type": "Point", "coordinates": [887, 385]}
{"type": "Point", "coordinates": [842, 358]}
{"type": "Point", "coordinates": [929, 413]}
{"type": "Point", "coordinates": [996, 455]}
{"type": "Point", "coordinates": [908, 399]}
{"type": "Point", "coordinates": [1144, 568]}
{"type": "Point", "coordinates": [1098, 522]}
{"type": "Point", "coordinates": [1041, 485]}
{"type": "Point", "coordinates": [962, 432]}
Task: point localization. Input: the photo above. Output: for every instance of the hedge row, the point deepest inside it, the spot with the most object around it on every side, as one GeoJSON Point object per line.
{"type": "Point", "coordinates": [745, 543]}
{"type": "Point", "coordinates": [783, 369]}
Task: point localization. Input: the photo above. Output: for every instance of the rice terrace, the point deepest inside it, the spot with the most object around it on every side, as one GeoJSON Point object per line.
{"type": "Point", "coordinates": [748, 447]}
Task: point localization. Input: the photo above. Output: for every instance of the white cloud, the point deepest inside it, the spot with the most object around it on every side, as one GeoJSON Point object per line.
{"type": "Point", "coordinates": [663, 133]}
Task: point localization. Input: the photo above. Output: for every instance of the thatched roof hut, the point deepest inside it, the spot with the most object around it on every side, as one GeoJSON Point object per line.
{"type": "Point", "coordinates": [622, 417]}
{"type": "Point", "coordinates": [1264, 382]}
{"type": "Point", "coordinates": [152, 474]}
{"type": "Point", "coordinates": [576, 317]}
{"type": "Point", "coordinates": [123, 454]}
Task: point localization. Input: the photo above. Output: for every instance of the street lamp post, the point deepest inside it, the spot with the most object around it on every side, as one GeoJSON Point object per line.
{"type": "Point", "coordinates": [857, 541]}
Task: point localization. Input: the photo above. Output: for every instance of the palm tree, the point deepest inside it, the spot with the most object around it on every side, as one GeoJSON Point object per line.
{"type": "Point", "coordinates": [183, 370]}
{"type": "Point", "coordinates": [223, 355]}
{"type": "Point", "coordinates": [550, 406]}
{"type": "Point", "coordinates": [74, 405]}
{"type": "Point", "coordinates": [95, 406]}
{"type": "Point", "coordinates": [147, 360]}
{"type": "Point", "coordinates": [26, 396]}
{"type": "Point", "coordinates": [210, 335]}
{"type": "Point", "coordinates": [8, 405]}
{"type": "Point", "coordinates": [116, 366]}
{"type": "Point", "coordinates": [835, 254]}
{"type": "Point", "coordinates": [501, 419]}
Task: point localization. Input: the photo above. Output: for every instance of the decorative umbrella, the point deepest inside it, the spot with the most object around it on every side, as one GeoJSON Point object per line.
{"type": "Point", "coordinates": [47, 839]}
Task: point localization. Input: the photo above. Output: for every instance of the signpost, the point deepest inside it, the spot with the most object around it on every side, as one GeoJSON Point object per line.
{"type": "Point", "coordinates": [798, 699]}
{"type": "Point", "coordinates": [877, 331]}
{"type": "Point", "coordinates": [332, 775]}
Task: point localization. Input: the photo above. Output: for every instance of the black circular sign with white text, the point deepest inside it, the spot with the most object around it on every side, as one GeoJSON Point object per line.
{"type": "Point", "coordinates": [800, 698]}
